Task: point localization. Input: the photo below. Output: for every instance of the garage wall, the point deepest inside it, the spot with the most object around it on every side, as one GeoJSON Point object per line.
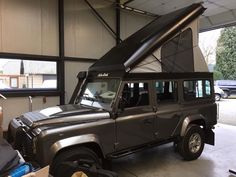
{"type": "Point", "coordinates": [71, 71]}
{"type": "Point", "coordinates": [85, 36]}
{"type": "Point", "coordinates": [29, 27]}
{"type": "Point", "coordinates": [13, 107]}
{"type": "Point", "coordinates": [132, 22]}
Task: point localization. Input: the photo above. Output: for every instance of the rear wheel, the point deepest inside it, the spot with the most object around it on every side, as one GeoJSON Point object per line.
{"type": "Point", "coordinates": [226, 94]}
{"type": "Point", "coordinates": [68, 162]}
{"type": "Point", "coordinates": [191, 145]}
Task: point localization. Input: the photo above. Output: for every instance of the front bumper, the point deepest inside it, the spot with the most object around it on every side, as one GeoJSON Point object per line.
{"type": "Point", "coordinates": [20, 138]}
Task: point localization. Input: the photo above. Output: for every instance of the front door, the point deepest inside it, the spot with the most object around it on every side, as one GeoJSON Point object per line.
{"type": "Point", "coordinates": [135, 122]}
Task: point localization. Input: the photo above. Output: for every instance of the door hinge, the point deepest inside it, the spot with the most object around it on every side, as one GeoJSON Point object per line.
{"type": "Point", "coordinates": [116, 145]}
{"type": "Point", "coordinates": [156, 134]}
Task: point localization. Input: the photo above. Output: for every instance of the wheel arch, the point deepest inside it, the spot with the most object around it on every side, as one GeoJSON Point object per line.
{"type": "Point", "coordinates": [195, 120]}
{"type": "Point", "coordinates": [90, 141]}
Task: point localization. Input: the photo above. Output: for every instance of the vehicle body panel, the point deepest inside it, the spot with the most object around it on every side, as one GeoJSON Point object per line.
{"type": "Point", "coordinates": [117, 130]}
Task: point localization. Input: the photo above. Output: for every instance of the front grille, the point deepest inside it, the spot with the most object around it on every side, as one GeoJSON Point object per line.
{"type": "Point", "coordinates": [24, 143]}
{"type": "Point", "coordinates": [28, 147]}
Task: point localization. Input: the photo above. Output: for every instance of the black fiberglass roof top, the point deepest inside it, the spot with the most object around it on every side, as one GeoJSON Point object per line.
{"type": "Point", "coordinates": [145, 41]}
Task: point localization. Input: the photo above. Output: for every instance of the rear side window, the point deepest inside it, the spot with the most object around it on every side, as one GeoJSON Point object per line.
{"type": "Point", "coordinates": [166, 91]}
{"type": "Point", "coordinates": [195, 89]}
{"type": "Point", "coordinates": [208, 87]}
{"type": "Point", "coordinates": [135, 94]}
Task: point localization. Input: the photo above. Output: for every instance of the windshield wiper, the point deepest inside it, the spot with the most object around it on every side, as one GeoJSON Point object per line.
{"type": "Point", "coordinates": [99, 98]}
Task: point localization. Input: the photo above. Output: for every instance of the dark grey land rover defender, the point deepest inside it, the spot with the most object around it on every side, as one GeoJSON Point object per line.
{"type": "Point", "coordinates": [146, 91]}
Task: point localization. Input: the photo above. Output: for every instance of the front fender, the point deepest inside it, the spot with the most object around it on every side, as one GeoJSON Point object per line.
{"type": "Point", "coordinates": [188, 120]}
{"type": "Point", "coordinates": [72, 141]}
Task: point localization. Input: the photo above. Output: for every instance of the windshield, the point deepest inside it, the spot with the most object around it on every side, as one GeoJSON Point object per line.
{"type": "Point", "coordinates": [100, 93]}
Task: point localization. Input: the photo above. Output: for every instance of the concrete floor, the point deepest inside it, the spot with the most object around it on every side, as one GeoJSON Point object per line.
{"type": "Point", "coordinates": [227, 111]}
{"type": "Point", "coordinates": [162, 161]}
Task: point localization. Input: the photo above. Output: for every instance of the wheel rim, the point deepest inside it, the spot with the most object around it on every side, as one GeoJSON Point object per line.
{"type": "Point", "coordinates": [195, 143]}
{"type": "Point", "coordinates": [226, 94]}
{"type": "Point", "coordinates": [217, 97]}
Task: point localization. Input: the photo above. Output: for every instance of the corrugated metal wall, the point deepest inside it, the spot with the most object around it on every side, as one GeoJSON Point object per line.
{"type": "Point", "coordinates": [29, 27]}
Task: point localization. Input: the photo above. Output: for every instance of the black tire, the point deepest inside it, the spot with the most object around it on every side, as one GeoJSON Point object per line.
{"type": "Point", "coordinates": [191, 151]}
{"type": "Point", "coordinates": [226, 94]}
{"type": "Point", "coordinates": [217, 97]}
{"type": "Point", "coordinates": [69, 161]}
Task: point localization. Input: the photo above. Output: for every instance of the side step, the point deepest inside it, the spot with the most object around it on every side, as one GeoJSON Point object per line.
{"type": "Point", "coordinates": [123, 153]}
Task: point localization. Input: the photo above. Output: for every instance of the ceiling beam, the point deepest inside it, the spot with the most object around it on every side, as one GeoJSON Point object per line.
{"type": "Point", "coordinates": [127, 2]}
{"type": "Point", "coordinates": [138, 11]}
{"type": "Point", "coordinates": [217, 21]}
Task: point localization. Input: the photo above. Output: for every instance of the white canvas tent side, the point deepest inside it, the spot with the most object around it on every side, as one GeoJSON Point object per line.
{"type": "Point", "coordinates": [167, 44]}
{"type": "Point", "coordinates": [153, 63]}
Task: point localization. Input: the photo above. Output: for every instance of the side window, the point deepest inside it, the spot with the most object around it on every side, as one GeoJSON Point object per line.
{"type": "Point", "coordinates": [166, 91]}
{"type": "Point", "coordinates": [208, 88]}
{"type": "Point", "coordinates": [199, 89]}
{"type": "Point", "coordinates": [135, 94]}
{"type": "Point", "coordinates": [195, 89]}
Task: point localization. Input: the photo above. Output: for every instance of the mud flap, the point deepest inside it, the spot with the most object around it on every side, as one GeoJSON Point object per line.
{"type": "Point", "coordinates": [209, 137]}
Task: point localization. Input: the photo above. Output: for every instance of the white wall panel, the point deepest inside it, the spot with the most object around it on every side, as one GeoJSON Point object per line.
{"type": "Point", "coordinates": [29, 27]}
{"type": "Point", "coordinates": [13, 107]}
{"type": "Point", "coordinates": [85, 36]}
{"type": "Point", "coordinates": [132, 22]}
{"type": "Point", "coordinates": [71, 71]}
{"type": "Point", "coordinates": [0, 26]}
{"type": "Point", "coordinates": [50, 31]}
{"type": "Point", "coordinates": [21, 26]}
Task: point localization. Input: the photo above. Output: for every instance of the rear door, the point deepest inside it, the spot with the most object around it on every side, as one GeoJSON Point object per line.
{"type": "Point", "coordinates": [135, 123]}
{"type": "Point", "coordinates": [168, 112]}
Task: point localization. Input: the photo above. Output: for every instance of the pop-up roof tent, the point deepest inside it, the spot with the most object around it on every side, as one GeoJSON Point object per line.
{"type": "Point", "coordinates": [167, 44]}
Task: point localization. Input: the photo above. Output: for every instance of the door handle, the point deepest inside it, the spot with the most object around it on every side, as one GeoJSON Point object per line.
{"type": "Point", "coordinates": [147, 121]}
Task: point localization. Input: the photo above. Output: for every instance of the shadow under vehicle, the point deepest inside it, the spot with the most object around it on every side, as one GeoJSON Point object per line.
{"type": "Point", "coordinates": [145, 92]}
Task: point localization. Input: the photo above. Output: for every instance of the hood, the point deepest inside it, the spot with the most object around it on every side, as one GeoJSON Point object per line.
{"type": "Point", "coordinates": [63, 114]}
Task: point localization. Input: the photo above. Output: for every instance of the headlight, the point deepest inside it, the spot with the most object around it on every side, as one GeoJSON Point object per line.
{"type": "Point", "coordinates": [36, 131]}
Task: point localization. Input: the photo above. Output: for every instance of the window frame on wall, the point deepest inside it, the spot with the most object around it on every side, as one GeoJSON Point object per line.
{"type": "Point", "coordinates": [12, 78]}
{"type": "Point", "coordinates": [34, 91]}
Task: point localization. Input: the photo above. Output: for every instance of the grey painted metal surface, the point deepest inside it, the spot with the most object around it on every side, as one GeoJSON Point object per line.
{"type": "Point", "coordinates": [115, 132]}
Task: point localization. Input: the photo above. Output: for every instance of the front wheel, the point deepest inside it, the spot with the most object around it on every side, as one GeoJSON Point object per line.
{"type": "Point", "coordinates": [68, 162]}
{"type": "Point", "coordinates": [192, 144]}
